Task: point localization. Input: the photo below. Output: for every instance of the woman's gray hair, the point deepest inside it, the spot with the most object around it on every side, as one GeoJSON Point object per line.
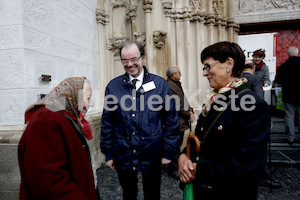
{"type": "Point", "coordinates": [171, 70]}
{"type": "Point", "coordinates": [292, 51]}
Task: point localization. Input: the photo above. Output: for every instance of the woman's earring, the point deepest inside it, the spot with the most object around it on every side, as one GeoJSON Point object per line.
{"type": "Point", "coordinates": [228, 70]}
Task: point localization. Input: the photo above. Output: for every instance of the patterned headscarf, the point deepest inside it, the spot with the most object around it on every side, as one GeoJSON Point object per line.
{"type": "Point", "coordinates": [65, 97]}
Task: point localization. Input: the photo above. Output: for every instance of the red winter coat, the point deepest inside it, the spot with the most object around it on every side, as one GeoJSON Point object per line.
{"type": "Point", "coordinates": [54, 163]}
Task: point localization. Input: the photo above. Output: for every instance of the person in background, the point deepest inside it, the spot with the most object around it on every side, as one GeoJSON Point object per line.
{"type": "Point", "coordinates": [249, 73]}
{"type": "Point", "coordinates": [185, 113]}
{"type": "Point", "coordinates": [287, 75]}
{"type": "Point", "coordinates": [53, 154]}
{"type": "Point", "coordinates": [261, 71]}
{"type": "Point", "coordinates": [233, 138]}
{"type": "Point", "coordinates": [253, 80]}
{"type": "Point", "coordinates": [136, 135]}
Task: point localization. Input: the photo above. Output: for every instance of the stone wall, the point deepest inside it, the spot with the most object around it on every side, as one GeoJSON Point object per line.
{"type": "Point", "coordinates": [57, 38]}
{"type": "Point", "coordinates": [262, 11]}
{"type": "Point", "coordinates": [94, 118]}
{"type": "Point", "coordinates": [9, 168]}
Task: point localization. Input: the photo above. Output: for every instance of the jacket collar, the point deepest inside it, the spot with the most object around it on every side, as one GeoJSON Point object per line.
{"type": "Point", "coordinates": [173, 81]}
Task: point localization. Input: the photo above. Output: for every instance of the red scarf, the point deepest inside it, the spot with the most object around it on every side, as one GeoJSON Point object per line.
{"type": "Point", "coordinates": [260, 65]}
{"type": "Point", "coordinates": [86, 127]}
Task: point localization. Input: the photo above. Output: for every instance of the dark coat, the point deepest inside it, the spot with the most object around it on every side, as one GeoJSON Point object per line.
{"type": "Point", "coordinates": [254, 82]}
{"type": "Point", "coordinates": [232, 155]}
{"type": "Point", "coordinates": [138, 137]}
{"type": "Point", "coordinates": [53, 162]}
{"type": "Point", "coordinates": [287, 75]}
{"type": "Point", "coordinates": [184, 111]}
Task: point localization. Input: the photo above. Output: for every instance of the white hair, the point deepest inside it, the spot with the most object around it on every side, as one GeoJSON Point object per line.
{"type": "Point", "coordinates": [171, 70]}
{"type": "Point", "coordinates": [292, 51]}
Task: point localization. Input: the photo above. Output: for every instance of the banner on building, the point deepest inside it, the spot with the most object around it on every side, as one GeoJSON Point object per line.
{"type": "Point", "coordinates": [267, 41]}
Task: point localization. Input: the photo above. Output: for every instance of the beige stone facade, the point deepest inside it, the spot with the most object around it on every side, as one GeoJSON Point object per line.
{"type": "Point", "coordinates": [173, 33]}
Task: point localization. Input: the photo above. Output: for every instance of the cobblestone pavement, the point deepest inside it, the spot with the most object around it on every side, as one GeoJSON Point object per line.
{"type": "Point", "coordinates": [290, 181]}
{"type": "Point", "coordinates": [110, 188]}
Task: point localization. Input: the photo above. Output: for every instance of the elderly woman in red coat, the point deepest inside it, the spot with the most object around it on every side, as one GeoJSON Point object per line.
{"type": "Point", "coordinates": [53, 153]}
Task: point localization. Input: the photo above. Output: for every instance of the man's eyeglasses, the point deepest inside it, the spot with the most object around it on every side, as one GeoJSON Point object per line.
{"type": "Point", "coordinates": [132, 60]}
{"type": "Point", "coordinates": [208, 66]}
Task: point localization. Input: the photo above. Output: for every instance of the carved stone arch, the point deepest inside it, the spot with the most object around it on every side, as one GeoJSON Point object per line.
{"type": "Point", "coordinates": [112, 3]}
{"type": "Point", "coordinates": [117, 30]}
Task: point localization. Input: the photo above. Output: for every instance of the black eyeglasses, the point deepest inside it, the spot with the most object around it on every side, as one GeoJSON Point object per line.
{"type": "Point", "coordinates": [132, 60]}
{"type": "Point", "coordinates": [208, 66]}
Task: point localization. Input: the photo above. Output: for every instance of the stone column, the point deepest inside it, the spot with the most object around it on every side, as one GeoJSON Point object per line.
{"type": "Point", "coordinates": [220, 25]}
{"type": "Point", "coordinates": [200, 40]}
{"type": "Point", "coordinates": [230, 30]}
{"type": "Point", "coordinates": [210, 21]}
{"type": "Point", "coordinates": [131, 17]}
{"type": "Point", "coordinates": [233, 30]}
{"type": "Point", "coordinates": [167, 6]}
{"type": "Point", "coordinates": [147, 6]}
{"type": "Point", "coordinates": [102, 20]}
{"type": "Point", "coordinates": [187, 54]}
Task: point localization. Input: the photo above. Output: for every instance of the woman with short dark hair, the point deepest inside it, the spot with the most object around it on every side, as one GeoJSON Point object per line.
{"type": "Point", "coordinates": [233, 128]}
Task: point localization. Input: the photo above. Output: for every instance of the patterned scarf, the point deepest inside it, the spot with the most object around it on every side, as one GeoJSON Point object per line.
{"type": "Point", "coordinates": [64, 97]}
{"type": "Point", "coordinates": [210, 98]}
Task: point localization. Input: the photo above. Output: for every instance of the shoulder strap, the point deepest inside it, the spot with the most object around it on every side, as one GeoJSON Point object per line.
{"type": "Point", "coordinates": [79, 134]}
{"type": "Point", "coordinates": [219, 115]}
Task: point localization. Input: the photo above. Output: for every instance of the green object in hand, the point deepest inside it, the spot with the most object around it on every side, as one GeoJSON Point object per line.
{"type": "Point", "coordinates": [188, 193]}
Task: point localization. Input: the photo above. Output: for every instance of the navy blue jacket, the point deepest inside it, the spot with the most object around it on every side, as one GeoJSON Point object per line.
{"type": "Point", "coordinates": [133, 135]}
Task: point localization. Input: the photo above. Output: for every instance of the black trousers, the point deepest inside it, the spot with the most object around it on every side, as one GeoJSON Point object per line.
{"type": "Point", "coordinates": [151, 183]}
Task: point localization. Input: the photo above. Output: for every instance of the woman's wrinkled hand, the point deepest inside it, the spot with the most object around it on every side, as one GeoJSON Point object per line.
{"type": "Point", "coordinates": [186, 169]}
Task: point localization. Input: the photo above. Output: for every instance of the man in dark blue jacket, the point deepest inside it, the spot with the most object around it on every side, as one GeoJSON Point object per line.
{"type": "Point", "coordinates": [140, 126]}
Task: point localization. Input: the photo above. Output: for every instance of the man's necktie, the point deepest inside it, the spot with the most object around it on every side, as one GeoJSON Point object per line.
{"type": "Point", "coordinates": [134, 82]}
